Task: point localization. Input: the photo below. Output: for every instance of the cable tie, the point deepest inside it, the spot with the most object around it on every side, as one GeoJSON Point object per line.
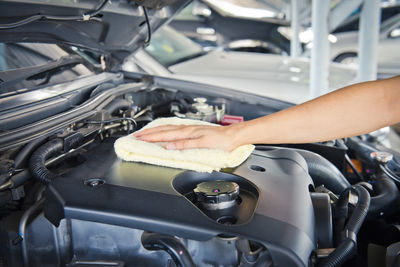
{"type": "Point", "coordinates": [86, 17]}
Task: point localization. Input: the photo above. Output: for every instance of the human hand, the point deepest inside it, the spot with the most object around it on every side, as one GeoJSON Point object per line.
{"type": "Point", "coordinates": [186, 137]}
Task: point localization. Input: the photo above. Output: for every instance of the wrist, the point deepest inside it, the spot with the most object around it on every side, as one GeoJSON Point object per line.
{"type": "Point", "coordinates": [236, 135]}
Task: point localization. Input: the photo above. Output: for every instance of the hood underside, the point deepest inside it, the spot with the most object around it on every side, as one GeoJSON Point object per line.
{"type": "Point", "coordinates": [115, 27]}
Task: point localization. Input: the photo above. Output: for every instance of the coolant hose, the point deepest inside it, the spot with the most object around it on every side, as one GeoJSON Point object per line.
{"type": "Point", "coordinates": [37, 162]}
{"type": "Point", "coordinates": [344, 251]}
{"type": "Point", "coordinates": [117, 104]}
{"type": "Point", "coordinates": [340, 216]}
{"type": "Point", "coordinates": [340, 254]}
{"type": "Point", "coordinates": [386, 194]}
{"type": "Point", "coordinates": [360, 211]}
{"type": "Point", "coordinates": [170, 244]}
{"type": "Point", "coordinates": [362, 149]}
{"type": "Point", "coordinates": [323, 172]}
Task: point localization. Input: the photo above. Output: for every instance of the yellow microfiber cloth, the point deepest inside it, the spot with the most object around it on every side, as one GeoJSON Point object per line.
{"type": "Point", "coordinates": [201, 159]}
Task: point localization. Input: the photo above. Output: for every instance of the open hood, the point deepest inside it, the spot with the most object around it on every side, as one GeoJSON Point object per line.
{"type": "Point", "coordinates": [116, 27]}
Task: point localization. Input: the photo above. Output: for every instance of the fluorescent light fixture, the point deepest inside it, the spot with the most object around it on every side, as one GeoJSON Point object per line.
{"type": "Point", "coordinates": [242, 11]}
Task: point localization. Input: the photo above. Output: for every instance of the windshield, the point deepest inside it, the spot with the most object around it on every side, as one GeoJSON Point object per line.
{"type": "Point", "coordinates": [170, 47]}
{"type": "Point", "coordinates": [390, 23]}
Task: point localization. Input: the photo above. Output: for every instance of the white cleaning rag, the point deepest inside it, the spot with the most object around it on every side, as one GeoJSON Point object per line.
{"type": "Point", "coordinates": [201, 159]}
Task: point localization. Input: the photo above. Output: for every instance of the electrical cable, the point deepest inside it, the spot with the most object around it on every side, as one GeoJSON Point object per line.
{"type": "Point", "coordinates": [20, 22]}
{"type": "Point", "coordinates": [147, 41]}
{"type": "Point", "coordinates": [33, 18]}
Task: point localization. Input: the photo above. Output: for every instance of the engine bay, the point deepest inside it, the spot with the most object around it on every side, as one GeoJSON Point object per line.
{"type": "Point", "coordinates": [67, 200]}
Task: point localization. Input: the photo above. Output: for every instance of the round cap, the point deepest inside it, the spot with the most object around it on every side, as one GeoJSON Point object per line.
{"type": "Point", "coordinates": [215, 192]}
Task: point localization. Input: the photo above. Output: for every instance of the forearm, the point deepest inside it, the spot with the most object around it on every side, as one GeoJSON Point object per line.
{"type": "Point", "coordinates": [351, 111]}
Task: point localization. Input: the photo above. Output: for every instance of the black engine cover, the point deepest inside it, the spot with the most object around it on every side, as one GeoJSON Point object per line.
{"type": "Point", "coordinates": [107, 190]}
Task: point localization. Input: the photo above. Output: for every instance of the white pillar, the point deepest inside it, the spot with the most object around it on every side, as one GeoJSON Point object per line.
{"type": "Point", "coordinates": [368, 40]}
{"type": "Point", "coordinates": [295, 25]}
{"type": "Point", "coordinates": [320, 51]}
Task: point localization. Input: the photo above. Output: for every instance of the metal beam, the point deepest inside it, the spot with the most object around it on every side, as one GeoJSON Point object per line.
{"type": "Point", "coordinates": [320, 51]}
{"type": "Point", "coordinates": [368, 40]}
{"type": "Point", "coordinates": [295, 25]}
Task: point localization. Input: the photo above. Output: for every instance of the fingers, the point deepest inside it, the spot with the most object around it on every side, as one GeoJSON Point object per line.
{"type": "Point", "coordinates": [179, 137]}
{"type": "Point", "coordinates": [185, 144]}
{"type": "Point", "coordinates": [169, 133]}
{"type": "Point", "coordinates": [159, 134]}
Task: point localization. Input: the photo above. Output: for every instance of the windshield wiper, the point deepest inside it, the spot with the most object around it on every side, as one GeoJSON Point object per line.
{"type": "Point", "coordinates": [11, 77]}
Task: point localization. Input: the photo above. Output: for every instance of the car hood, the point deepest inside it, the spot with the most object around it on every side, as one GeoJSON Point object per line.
{"type": "Point", "coordinates": [116, 27]}
{"type": "Point", "coordinates": [265, 68]}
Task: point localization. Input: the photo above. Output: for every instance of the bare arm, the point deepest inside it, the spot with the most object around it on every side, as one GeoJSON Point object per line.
{"type": "Point", "coordinates": [350, 111]}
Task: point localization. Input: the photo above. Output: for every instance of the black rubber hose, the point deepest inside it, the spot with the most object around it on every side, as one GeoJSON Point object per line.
{"type": "Point", "coordinates": [170, 244]}
{"type": "Point", "coordinates": [341, 212]}
{"type": "Point", "coordinates": [386, 194]}
{"type": "Point", "coordinates": [340, 255]}
{"type": "Point", "coordinates": [117, 104]}
{"type": "Point", "coordinates": [23, 155]}
{"type": "Point", "coordinates": [344, 251]}
{"type": "Point", "coordinates": [323, 172]}
{"type": "Point", "coordinates": [362, 149]}
{"type": "Point", "coordinates": [19, 178]}
{"type": "Point", "coordinates": [37, 163]}
{"type": "Point", "coordinates": [360, 211]}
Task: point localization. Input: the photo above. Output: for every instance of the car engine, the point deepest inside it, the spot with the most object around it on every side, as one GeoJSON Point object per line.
{"type": "Point", "coordinates": [67, 200]}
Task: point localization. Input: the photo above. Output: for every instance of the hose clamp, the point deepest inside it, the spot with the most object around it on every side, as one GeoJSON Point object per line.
{"type": "Point", "coordinates": [347, 234]}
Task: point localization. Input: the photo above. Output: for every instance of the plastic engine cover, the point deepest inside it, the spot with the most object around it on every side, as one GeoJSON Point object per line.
{"type": "Point", "coordinates": [107, 190]}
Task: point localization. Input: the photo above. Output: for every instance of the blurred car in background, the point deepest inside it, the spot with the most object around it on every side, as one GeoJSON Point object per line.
{"type": "Point", "coordinates": [345, 47]}
{"type": "Point", "coordinates": [237, 26]}
{"type": "Point", "coordinates": [344, 41]}
{"type": "Point", "coordinates": [172, 54]}
{"type": "Point", "coordinates": [352, 23]}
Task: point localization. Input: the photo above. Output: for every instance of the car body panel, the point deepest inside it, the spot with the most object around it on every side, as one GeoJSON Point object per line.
{"type": "Point", "coordinates": [275, 76]}
{"type": "Point", "coordinates": [118, 29]}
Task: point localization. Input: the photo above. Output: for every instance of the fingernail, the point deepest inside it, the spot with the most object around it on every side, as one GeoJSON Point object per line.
{"type": "Point", "coordinates": [171, 146]}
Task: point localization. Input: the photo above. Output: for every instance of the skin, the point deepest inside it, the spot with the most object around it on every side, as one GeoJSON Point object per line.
{"type": "Point", "coordinates": [350, 111]}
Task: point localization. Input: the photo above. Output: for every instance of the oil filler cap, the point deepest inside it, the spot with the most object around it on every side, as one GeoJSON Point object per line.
{"type": "Point", "coordinates": [215, 195]}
